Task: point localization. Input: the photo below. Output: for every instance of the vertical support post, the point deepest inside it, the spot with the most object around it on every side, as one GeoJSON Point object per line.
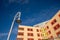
{"type": "Point", "coordinates": [17, 15]}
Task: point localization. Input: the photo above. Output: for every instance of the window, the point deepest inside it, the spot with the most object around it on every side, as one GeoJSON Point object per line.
{"type": "Point", "coordinates": [19, 38]}
{"type": "Point", "coordinates": [30, 34]}
{"type": "Point", "coordinates": [29, 29]}
{"type": "Point", "coordinates": [37, 30]}
{"type": "Point", "coordinates": [51, 36]}
{"type": "Point", "coordinates": [56, 27]}
{"type": "Point", "coordinates": [30, 39]}
{"type": "Point", "coordinates": [49, 32]}
{"type": "Point", "coordinates": [39, 39]}
{"type": "Point", "coordinates": [38, 35]}
{"type": "Point", "coordinates": [20, 33]}
{"type": "Point", "coordinates": [53, 22]}
{"type": "Point", "coordinates": [47, 27]}
{"type": "Point", "coordinates": [58, 33]}
{"type": "Point", "coordinates": [21, 28]}
{"type": "Point", "coordinates": [42, 35]}
{"type": "Point", "coordinates": [59, 15]}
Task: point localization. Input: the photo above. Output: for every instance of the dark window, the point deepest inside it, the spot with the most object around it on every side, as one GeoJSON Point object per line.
{"type": "Point", "coordinates": [20, 33]}
{"type": "Point", "coordinates": [19, 38]}
{"type": "Point", "coordinates": [56, 27]}
{"type": "Point", "coordinates": [49, 32]}
{"type": "Point", "coordinates": [53, 22]}
{"type": "Point", "coordinates": [47, 27]}
{"type": "Point", "coordinates": [39, 39]}
{"type": "Point", "coordinates": [59, 15]}
{"type": "Point", "coordinates": [38, 35]}
{"type": "Point", "coordinates": [51, 36]}
{"type": "Point", "coordinates": [30, 39]}
{"type": "Point", "coordinates": [21, 28]}
{"type": "Point", "coordinates": [37, 30]}
{"type": "Point", "coordinates": [30, 34]}
{"type": "Point", "coordinates": [58, 34]}
{"type": "Point", "coordinates": [29, 29]}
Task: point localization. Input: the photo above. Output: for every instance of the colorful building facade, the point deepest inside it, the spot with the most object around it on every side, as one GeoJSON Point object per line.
{"type": "Point", "coordinates": [28, 33]}
{"type": "Point", "coordinates": [49, 31]}
{"type": "Point", "coordinates": [53, 26]}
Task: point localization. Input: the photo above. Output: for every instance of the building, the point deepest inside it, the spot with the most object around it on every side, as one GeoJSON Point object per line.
{"type": "Point", "coordinates": [53, 26]}
{"type": "Point", "coordinates": [48, 30]}
{"type": "Point", "coordinates": [28, 33]}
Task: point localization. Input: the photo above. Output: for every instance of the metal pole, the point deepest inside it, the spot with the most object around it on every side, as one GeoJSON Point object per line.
{"type": "Point", "coordinates": [13, 25]}
{"type": "Point", "coordinates": [11, 29]}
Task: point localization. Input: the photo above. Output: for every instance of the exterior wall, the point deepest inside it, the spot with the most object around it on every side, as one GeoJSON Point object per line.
{"type": "Point", "coordinates": [45, 32]}
{"type": "Point", "coordinates": [48, 27]}
{"type": "Point", "coordinates": [51, 27]}
{"type": "Point", "coordinates": [36, 30]}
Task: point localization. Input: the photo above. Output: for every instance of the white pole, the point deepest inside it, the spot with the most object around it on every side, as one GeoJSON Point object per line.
{"type": "Point", "coordinates": [11, 29]}
{"type": "Point", "coordinates": [13, 25]}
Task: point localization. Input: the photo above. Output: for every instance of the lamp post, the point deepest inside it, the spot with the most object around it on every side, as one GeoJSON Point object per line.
{"type": "Point", "coordinates": [17, 18]}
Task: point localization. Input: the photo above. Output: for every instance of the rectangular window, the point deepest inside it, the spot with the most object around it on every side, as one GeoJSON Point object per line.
{"type": "Point", "coordinates": [30, 34]}
{"type": "Point", "coordinates": [47, 27]}
{"type": "Point", "coordinates": [37, 30]}
{"type": "Point", "coordinates": [56, 27]}
{"type": "Point", "coordinates": [58, 34]}
{"type": "Point", "coordinates": [59, 15]}
{"type": "Point", "coordinates": [53, 22]}
{"type": "Point", "coordinates": [30, 39]}
{"type": "Point", "coordinates": [21, 28]}
{"type": "Point", "coordinates": [49, 32]}
{"type": "Point", "coordinates": [38, 35]}
{"type": "Point", "coordinates": [29, 29]}
{"type": "Point", "coordinates": [19, 38]}
{"type": "Point", "coordinates": [39, 39]}
{"type": "Point", "coordinates": [42, 35]}
{"type": "Point", "coordinates": [20, 33]}
{"type": "Point", "coordinates": [51, 36]}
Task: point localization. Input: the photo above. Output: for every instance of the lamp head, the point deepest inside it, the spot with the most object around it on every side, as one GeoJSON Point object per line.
{"type": "Point", "coordinates": [18, 17]}
{"type": "Point", "coordinates": [18, 21]}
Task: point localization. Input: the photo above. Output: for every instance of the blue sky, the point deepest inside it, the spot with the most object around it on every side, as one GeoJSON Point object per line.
{"type": "Point", "coordinates": [32, 12]}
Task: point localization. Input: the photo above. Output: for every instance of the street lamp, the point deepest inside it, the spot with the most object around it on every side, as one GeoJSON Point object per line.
{"type": "Point", "coordinates": [17, 19]}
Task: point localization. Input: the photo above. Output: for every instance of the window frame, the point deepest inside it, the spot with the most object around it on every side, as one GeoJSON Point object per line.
{"type": "Point", "coordinates": [20, 28]}
{"type": "Point", "coordinates": [53, 21]}
{"type": "Point", "coordinates": [57, 26]}
{"type": "Point", "coordinates": [29, 29]}
{"type": "Point", "coordinates": [19, 38]}
{"type": "Point", "coordinates": [30, 34]}
{"type": "Point", "coordinates": [21, 33]}
{"type": "Point", "coordinates": [30, 39]}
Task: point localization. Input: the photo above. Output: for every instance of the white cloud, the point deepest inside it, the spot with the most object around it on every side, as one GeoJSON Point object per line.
{"type": "Point", "coordinates": [19, 1]}
{"type": "Point", "coordinates": [14, 31]}
{"type": "Point", "coordinates": [29, 21]}
{"type": "Point", "coordinates": [3, 34]}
